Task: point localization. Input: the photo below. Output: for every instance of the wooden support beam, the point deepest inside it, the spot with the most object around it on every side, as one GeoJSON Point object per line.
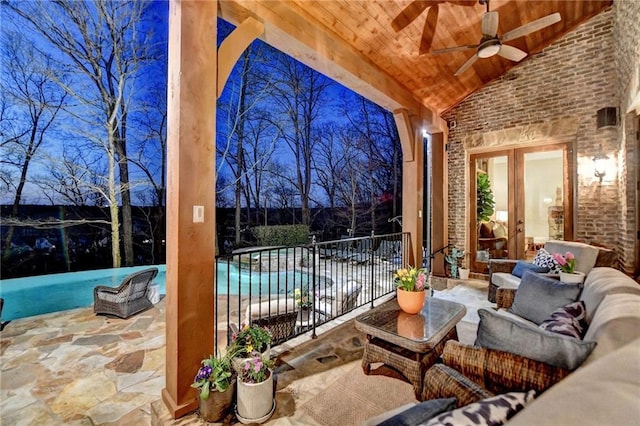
{"type": "Point", "coordinates": [406, 133]}
{"type": "Point", "coordinates": [313, 45]}
{"type": "Point", "coordinates": [232, 47]}
{"type": "Point", "coordinates": [191, 110]}
{"type": "Point", "coordinates": [412, 184]}
{"type": "Point", "coordinates": [439, 201]}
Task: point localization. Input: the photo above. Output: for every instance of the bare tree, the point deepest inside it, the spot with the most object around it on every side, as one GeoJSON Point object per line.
{"type": "Point", "coordinates": [380, 144]}
{"type": "Point", "coordinates": [35, 103]}
{"type": "Point", "coordinates": [300, 95]}
{"type": "Point", "coordinates": [76, 178]}
{"type": "Point", "coordinates": [245, 125]}
{"type": "Point", "coordinates": [150, 156]}
{"type": "Point", "coordinates": [102, 45]}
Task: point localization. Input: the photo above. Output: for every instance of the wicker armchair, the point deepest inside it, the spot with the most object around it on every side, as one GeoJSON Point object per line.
{"type": "Point", "coordinates": [471, 373]}
{"type": "Point", "coordinates": [127, 299]}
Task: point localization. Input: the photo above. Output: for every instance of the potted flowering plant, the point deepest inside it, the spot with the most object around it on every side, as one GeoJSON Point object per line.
{"type": "Point", "coordinates": [256, 401]}
{"type": "Point", "coordinates": [251, 339]}
{"type": "Point", "coordinates": [411, 279]}
{"type": "Point", "coordinates": [215, 382]}
{"type": "Point", "coordinates": [302, 298]}
{"type": "Point", "coordinates": [411, 284]}
{"type": "Point", "coordinates": [567, 265]}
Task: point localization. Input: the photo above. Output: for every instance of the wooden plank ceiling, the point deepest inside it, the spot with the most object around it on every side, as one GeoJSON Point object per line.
{"type": "Point", "coordinates": [357, 37]}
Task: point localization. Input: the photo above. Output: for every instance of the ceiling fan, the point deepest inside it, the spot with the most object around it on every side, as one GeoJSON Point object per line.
{"type": "Point", "coordinates": [492, 44]}
{"type": "Point", "coordinates": [415, 8]}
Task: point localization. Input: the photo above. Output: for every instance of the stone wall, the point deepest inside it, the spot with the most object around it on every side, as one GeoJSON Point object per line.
{"type": "Point", "coordinates": [627, 43]}
{"type": "Point", "coordinates": [564, 85]}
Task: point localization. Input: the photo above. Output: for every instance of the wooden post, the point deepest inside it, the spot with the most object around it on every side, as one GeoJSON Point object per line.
{"type": "Point", "coordinates": [412, 184]}
{"type": "Point", "coordinates": [191, 109]}
{"type": "Point", "coordinates": [439, 201]}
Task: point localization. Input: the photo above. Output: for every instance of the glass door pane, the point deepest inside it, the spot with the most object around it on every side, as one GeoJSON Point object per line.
{"type": "Point", "coordinates": [492, 207]}
{"type": "Point", "coordinates": [542, 218]}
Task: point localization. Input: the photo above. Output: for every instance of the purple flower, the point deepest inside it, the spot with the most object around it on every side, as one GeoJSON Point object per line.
{"type": "Point", "coordinates": [203, 373]}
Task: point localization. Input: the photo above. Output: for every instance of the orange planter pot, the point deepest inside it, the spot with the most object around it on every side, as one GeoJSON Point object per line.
{"type": "Point", "coordinates": [411, 302]}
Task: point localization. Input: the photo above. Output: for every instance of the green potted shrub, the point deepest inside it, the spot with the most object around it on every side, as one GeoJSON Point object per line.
{"type": "Point", "coordinates": [485, 203]}
{"type": "Point", "coordinates": [216, 384]}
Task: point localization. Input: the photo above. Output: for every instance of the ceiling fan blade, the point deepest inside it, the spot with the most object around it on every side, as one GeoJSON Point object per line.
{"type": "Point", "coordinates": [429, 29]}
{"type": "Point", "coordinates": [490, 24]}
{"type": "Point", "coordinates": [512, 53]}
{"type": "Point", "coordinates": [466, 65]}
{"type": "Point", "coordinates": [532, 26]}
{"type": "Point", "coordinates": [455, 49]}
{"type": "Point", "coordinates": [410, 13]}
{"type": "Point", "coordinates": [463, 2]}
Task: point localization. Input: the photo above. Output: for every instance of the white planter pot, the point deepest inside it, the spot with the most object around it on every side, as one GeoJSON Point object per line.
{"type": "Point", "coordinates": [574, 278]}
{"type": "Point", "coordinates": [255, 401]}
{"type": "Point", "coordinates": [464, 273]}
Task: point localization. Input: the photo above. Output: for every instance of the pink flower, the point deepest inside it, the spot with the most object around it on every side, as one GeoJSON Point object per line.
{"type": "Point", "coordinates": [420, 282]}
{"type": "Point", "coordinates": [560, 260]}
{"type": "Point", "coordinates": [569, 256]}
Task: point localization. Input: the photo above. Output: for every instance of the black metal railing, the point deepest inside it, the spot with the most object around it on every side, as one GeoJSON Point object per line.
{"type": "Point", "coordinates": [293, 290]}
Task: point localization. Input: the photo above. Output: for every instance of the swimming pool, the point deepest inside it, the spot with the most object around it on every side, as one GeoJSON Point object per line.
{"type": "Point", "coordinates": [29, 296]}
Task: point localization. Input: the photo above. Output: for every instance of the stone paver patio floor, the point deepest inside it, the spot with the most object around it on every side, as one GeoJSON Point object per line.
{"type": "Point", "coordinates": [76, 368]}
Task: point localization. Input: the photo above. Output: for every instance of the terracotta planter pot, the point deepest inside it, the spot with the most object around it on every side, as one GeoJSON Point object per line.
{"type": "Point", "coordinates": [255, 401]}
{"type": "Point", "coordinates": [411, 302]}
{"type": "Point", "coordinates": [217, 405]}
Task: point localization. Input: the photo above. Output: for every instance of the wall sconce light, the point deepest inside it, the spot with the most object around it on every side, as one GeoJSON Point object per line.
{"type": "Point", "coordinates": [600, 161]}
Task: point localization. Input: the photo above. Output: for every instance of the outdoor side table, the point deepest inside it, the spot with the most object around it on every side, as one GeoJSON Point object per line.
{"type": "Point", "coordinates": [409, 343]}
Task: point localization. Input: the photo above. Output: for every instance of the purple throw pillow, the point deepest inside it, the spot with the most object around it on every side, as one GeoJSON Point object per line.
{"type": "Point", "coordinates": [568, 320]}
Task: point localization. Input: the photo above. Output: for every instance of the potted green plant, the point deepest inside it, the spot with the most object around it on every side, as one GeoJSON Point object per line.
{"type": "Point", "coordinates": [216, 382]}
{"type": "Point", "coordinates": [485, 202]}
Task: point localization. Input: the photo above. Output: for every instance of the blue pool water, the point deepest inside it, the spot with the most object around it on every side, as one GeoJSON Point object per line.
{"type": "Point", "coordinates": [29, 296]}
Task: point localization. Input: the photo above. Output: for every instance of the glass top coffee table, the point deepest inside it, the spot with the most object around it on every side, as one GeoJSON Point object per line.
{"type": "Point", "coordinates": [409, 343]}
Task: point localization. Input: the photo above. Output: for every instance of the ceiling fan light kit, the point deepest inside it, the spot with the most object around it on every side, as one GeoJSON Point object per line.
{"type": "Point", "coordinates": [489, 48]}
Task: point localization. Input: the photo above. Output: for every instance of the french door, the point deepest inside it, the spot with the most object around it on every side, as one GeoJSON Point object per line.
{"type": "Point", "coordinates": [520, 198]}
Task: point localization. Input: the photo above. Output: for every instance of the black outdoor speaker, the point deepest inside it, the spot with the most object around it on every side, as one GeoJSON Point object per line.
{"type": "Point", "coordinates": [607, 117]}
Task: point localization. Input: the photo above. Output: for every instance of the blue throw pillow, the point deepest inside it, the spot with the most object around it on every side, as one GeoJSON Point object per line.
{"type": "Point", "coordinates": [522, 267]}
{"type": "Point", "coordinates": [421, 413]}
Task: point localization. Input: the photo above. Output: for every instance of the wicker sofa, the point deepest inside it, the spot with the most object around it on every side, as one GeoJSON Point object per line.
{"type": "Point", "coordinates": [605, 389]}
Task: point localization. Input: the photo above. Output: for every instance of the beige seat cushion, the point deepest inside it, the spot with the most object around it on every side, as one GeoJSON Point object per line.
{"type": "Point", "coordinates": [605, 281]}
{"type": "Point", "coordinates": [505, 280]}
{"type": "Point", "coordinates": [602, 393]}
{"type": "Point", "coordinates": [615, 324]}
{"type": "Point", "coordinates": [273, 307]}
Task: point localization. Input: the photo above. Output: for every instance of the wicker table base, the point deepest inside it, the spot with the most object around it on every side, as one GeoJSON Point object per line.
{"type": "Point", "coordinates": [410, 364]}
